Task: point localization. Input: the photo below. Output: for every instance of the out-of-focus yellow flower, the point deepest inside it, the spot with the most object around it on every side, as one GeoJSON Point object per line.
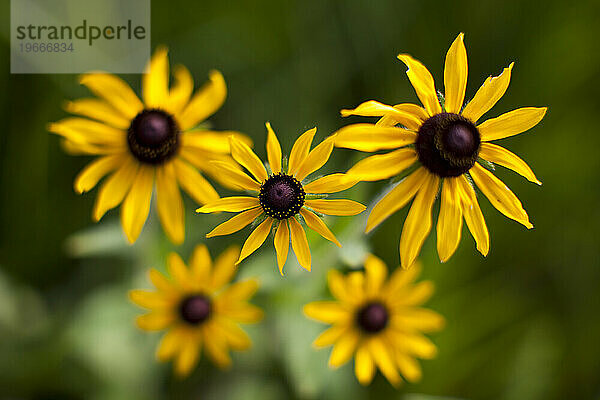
{"type": "Point", "coordinates": [143, 143]}
{"type": "Point", "coordinates": [378, 322]}
{"type": "Point", "coordinates": [282, 198]}
{"type": "Point", "coordinates": [448, 147]}
{"type": "Point", "coordinates": [199, 308]}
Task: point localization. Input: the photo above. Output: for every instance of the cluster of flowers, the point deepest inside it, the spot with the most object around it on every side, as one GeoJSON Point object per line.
{"type": "Point", "coordinates": [437, 147]}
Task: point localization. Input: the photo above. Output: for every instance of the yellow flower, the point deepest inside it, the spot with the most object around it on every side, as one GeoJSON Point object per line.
{"type": "Point", "coordinates": [378, 322]}
{"type": "Point", "coordinates": [281, 197]}
{"type": "Point", "coordinates": [445, 143]}
{"type": "Point", "coordinates": [140, 143]}
{"type": "Point", "coordinates": [200, 308]}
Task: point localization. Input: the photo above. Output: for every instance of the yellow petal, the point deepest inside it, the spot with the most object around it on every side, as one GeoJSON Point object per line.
{"type": "Point", "coordinates": [179, 271]}
{"type": "Point", "coordinates": [282, 244]}
{"type": "Point", "coordinates": [330, 335]}
{"type": "Point", "coordinates": [235, 336]}
{"type": "Point", "coordinates": [84, 148]}
{"type": "Point", "coordinates": [419, 319]}
{"type": "Point", "coordinates": [473, 216]}
{"type": "Point", "coordinates": [370, 137]}
{"type": "Point", "coordinates": [181, 91]}
{"type": "Point", "coordinates": [115, 188]}
{"type": "Point", "coordinates": [422, 82]}
{"type": "Point", "coordinates": [230, 204]}
{"type": "Point", "coordinates": [114, 91]}
{"type": "Point", "coordinates": [155, 321]}
{"type": "Point", "coordinates": [256, 239]}
{"type": "Point", "coordinates": [374, 108]}
{"type": "Point", "coordinates": [330, 184]}
{"type": "Point", "coordinates": [273, 150]}
{"type": "Point", "coordinates": [147, 299]}
{"type": "Point", "coordinates": [225, 266]}
{"type": "Point", "coordinates": [193, 183]}
{"type": "Point", "coordinates": [212, 141]}
{"type": "Point", "coordinates": [236, 223]}
{"type": "Point", "coordinates": [189, 352]}
{"type": "Point", "coordinates": [248, 159]}
{"type": "Point", "coordinates": [418, 222]}
{"type": "Point", "coordinates": [200, 264]}
{"type": "Point", "coordinates": [419, 113]}
{"type": "Point", "coordinates": [238, 292]}
{"type": "Point", "coordinates": [136, 206]}
{"type": "Point", "coordinates": [344, 349]}
{"type": "Point", "coordinates": [155, 81]}
{"type": "Point", "coordinates": [169, 203]}
{"type": "Point", "coordinates": [384, 360]}
{"type": "Point", "coordinates": [356, 286]}
{"type": "Point", "coordinates": [316, 224]}
{"type": "Point", "coordinates": [511, 123]}
{"type": "Point", "coordinates": [488, 94]}
{"type": "Point", "coordinates": [216, 347]}
{"type": "Point", "coordinates": [455, 75]}
{"type": "Point", "coordinates": [409, 367]}
{"type": "Point", "coordinates": [235, 177]}
{"type": "Point", "coordinates": [417, 294]}
{"type": "Point", "coordinates": [98, 110]}
{"type": "Point", "coordinates": [96, 170]}
{"type": "Point", "coordinates": [499, 195]}
{"type": "Point", "coordinates": [364, 366]}
{"type": "Point", "coordinates": [300, 150]}
{"type": "Point", "coordinates": [397, 198]}
{"type": "Point", "coordinates": [383, 166]}
{"type": "Point", "coordinates": [244, 313]}
{"type": "Point", "coordinates": [315, 159]}
{"type": "Point", "coordinates": [300, 244]}
{"type": "Point", "coordinates": [400, 279]}
{"type": "Point", "coordinates": [330, 312]}
{"type": "Point", "coordinates": [207, 100]}
{"type": "Point", "coordinates": [417, 345]}
{"type": "Point", "coordinates": [169, 344]}
{"type": "Point", "coordinates": [336, 207]}
{"type": "Point", "coordinates": [376, 273]}
{"type": "Point", "coordinates": [82, 130]}
{"type": "Point", "coordinates": [160, 281]}
{"type": "Point", "coordinates": [501, 156]}
{"type": "Point", "coordinates": [449, 226]}
{"type": "Point", "coordinates": [338, 288]}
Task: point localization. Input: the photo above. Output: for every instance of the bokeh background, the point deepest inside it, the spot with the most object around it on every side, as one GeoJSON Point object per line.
{"type": "Point", "coordinates": [523, 323]}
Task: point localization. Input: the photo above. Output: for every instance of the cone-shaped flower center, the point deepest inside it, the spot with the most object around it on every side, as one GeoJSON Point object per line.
{"type": "Point", "coordinates": [195, 309]}
{"type": "Point", "coordinates": [448, 144]}
{"type": "Point", "coordinates": [281, 196]}
{"type": "Point", "coordinates": [153, 136]}
{"type": "Point", "coordinates": [372, 318]}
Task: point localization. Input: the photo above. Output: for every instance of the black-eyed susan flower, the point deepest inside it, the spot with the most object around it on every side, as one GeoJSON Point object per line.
{"type": "Point", "coordinates": [282, 198]}
{"type": "Point", "coordinates": [449, 149]}
{"type": "Point", "coordinates": [143, 143]}
{"type": "Point", "coordinates": [378, 322]}
{"type": "Point", "coordinates": [200, 309]}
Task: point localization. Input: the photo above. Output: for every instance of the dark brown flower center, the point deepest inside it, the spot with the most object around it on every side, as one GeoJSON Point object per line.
{"type": "Point", "coordinates": [195, 309]}
{"type": "Point", "coordinates": [153, 136]}
{"type": "Point", "coordinates": [281, 196]}
{"type": "Point", "coordinates": [372, 318]}
{"type": "Point", "coordinates": [448, 144]}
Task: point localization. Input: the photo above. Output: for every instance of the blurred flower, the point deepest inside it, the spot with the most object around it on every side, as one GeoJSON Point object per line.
{"type": "Point", "coordinates": [140, 143]}
{"type": "Point", "coordinates": [378, 322]}
{"type": "Point", "coordinates": [448, 149]}
{"type": "Point", "coordinates": [200, 308]}
{"type": "Point", "coordinates": [279, 198]}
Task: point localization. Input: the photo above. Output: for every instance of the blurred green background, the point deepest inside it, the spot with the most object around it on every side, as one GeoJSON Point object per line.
{"type": "Point", "coordinates": [524, 323]}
